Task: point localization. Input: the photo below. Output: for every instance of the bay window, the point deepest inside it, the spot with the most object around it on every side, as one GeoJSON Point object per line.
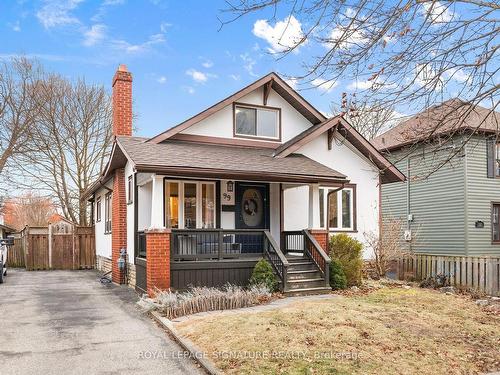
{"type": "Point", "coordinates": [189, 204]}
{"type": "Point", "coordinates": [340, 211]}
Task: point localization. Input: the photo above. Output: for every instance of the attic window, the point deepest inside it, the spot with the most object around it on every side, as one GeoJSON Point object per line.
{"type": "Point", "coordinates": [256, 121]}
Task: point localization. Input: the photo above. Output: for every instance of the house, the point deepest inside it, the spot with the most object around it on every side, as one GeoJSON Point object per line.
{"type": "Point", "coordinates": [261, 173]}
{"type": "Point", "coordinates": [5, 231]}
{"type": "Point", "coordinates": [450, 202]}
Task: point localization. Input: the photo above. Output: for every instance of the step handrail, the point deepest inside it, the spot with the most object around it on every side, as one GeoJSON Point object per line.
{"type": "Point", "coordinates": [318, 255]}
{"type": "Point", "coordinates": [277, 259]}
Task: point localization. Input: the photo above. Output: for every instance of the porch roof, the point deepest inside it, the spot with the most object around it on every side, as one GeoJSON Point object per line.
{"type": "Point", "coordinates": [222, 161]}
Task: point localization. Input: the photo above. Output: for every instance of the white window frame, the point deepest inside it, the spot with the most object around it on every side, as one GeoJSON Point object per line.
{"type": "Point", "coordinates": [199, 211]}
{"type": "Point", "coordinates": [277, 111]}
{"type": "Point", "coordinates": [339, 209]}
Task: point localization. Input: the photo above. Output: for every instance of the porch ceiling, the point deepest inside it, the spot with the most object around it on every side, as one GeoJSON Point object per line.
{"type": "Point", "coordinates": [222, 161]}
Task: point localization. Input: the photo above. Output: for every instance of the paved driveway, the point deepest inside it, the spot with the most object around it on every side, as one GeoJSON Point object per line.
{"type": "Point", "coordinates": [66, 322]}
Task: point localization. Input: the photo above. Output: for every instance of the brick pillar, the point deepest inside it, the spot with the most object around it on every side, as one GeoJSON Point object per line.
{"type": "Point", "coordinates": [118, 224]}
{"type": "Point", "coordinates": [158, 259]}
{"type": "Point", "coordinates": [321, 236]}
{"type": "Point", "coordinates": [122, 101]}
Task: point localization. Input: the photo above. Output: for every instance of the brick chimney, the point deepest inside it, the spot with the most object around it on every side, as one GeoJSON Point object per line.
{"type": "Point", "coordinates": [122, 101]}
{"type": "Point", "coordinates": [122, 125]}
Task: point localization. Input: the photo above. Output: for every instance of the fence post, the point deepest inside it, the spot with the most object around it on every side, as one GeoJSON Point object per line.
{"type": "Point", "coordinates": [221, 243]}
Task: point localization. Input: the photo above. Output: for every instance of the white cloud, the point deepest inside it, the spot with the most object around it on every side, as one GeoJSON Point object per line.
{"type": "Point", "coordinates": [94, 35]}
{"type": "Point", "coordinates": [164, 26]}
{"type": "Point", "coordinates": [437, 12]}
{"type": "Point", "coordinates": [369, 84]}
{"type": "Point", "coordinates": [189, 89]}
{"type": "Point", "coordinates": [207, 64]}
{"type": "Point", "coordinates": [248, 64]}
{"type": "Point", "coordinates": [292, 82]}
{"type": "Point", "coordinates": [162, 80]}
{"type": "Point", "coordinates": [15, 26]}
{"type": "Point", "coordinates": [235, 77]}
{"type": "Point", "coordinates": [324, 85]}
{"type": "Point", "coordinates": [138, 48]}
{"type": "Point", "coordinates": [113, 2]}
{"type": "Point", "coordinates": [282, 36]}
{"type": "Point", "coordinates": [198, 76]}
{"type": "Point", "coordinates": [345, 38]}
{"type": "Point", "coordinates": [58, 13]}
{"type": "Point", "coordinates": [457, 74]}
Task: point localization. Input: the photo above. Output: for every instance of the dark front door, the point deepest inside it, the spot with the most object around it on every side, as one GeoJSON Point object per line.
{"type": "Point", "coordinates": [252, 206]}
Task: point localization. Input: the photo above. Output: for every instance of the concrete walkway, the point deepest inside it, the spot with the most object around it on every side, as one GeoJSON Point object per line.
{"type": "Point", "coordinates": [66, 322]}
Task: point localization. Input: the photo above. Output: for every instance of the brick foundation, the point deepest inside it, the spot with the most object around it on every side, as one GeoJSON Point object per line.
{"type": "Point", "coordinates": [118, 224]}
{"type": "Point", "coordinates": [321, 236]}
{"type": "Point", "coordinates": [158, 260]}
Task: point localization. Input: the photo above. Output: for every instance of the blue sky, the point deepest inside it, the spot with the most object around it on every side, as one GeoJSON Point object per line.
{"type": "Point", "coordinates": [180, 60]}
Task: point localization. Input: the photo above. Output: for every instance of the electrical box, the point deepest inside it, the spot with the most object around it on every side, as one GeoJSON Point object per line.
{"type": "Point", "coordinates": [407, 235]}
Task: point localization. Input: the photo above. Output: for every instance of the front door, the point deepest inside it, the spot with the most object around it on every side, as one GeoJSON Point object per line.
{"type": "Point", "coordinates": [252, 206]}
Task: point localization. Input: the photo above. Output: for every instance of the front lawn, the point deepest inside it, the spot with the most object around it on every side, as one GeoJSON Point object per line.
{"type": "Point", "coordinates": [390, 331]}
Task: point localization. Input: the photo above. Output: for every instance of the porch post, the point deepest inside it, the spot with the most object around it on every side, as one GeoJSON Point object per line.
{"type": "Point", "coordinates": [157, 220]}
{"type": "Point", "coordinates": [314, 206]}
{"type": "Point", "coordinates": [158, 260]}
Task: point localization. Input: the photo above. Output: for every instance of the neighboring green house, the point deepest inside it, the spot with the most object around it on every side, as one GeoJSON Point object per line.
{"type": "Point", "coordinates": [450, 203]}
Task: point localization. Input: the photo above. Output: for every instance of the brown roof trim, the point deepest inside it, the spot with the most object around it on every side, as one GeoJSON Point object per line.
{"type": "Point", "coordinates": [277, 83]}
{"type": "Point", "coordinates": [234, 174]}
{"type": "Point", "coordinates": [7, 228]}
{"type": "Point", "coordinates": [353, 136]}
{"type": "Point", "coordinates": [225, 141]}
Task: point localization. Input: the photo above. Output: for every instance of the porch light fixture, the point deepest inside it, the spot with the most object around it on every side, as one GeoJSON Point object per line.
{"type": "Point", "coordinates": [230, 186]}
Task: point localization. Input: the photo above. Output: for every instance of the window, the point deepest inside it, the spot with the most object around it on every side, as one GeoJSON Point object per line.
{"type": "Point", "coordinates": [493, 157]}
{"type": "Point", "coordinates": [340, 212]}
{"type": "Point", "coordinates": [130, 190]}
{"type": "Point", "coordinates": [495, 222]}
{"type": "Point", "coordinates": [107, 213]}
{"type": "Point", "coordinates": [262, 122]}
{"type": "Point", "coordinates": [189, 204]}
{"type": "Point", "coordinates": [98, 209]}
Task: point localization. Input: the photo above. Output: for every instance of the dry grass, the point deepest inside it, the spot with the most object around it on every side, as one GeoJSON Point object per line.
{"type": "Point", "coordinates": [392, 330]}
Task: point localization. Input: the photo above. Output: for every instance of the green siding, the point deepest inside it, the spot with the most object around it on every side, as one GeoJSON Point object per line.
{"type": "Point", "coordinates": [437, 202]}
{"type": "Point", "coordinates": [481, 191]}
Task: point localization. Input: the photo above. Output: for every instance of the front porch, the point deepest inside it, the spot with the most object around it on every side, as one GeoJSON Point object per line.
{"type": "Point", "coordinates": [217, 230]}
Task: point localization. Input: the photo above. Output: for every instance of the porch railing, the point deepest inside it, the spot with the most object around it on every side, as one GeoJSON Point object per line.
{"type": "Point", "coordinates": [314, 251]}
{"type": "Point", "coordinates": [292, 242]}
{"type": "Point", "coordinates": [277, 259]}
{"type": "Point", "coordinates": [205, 244]}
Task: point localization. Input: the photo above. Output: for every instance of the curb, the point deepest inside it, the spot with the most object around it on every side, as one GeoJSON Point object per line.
{"type": "Point", "coordinates": [186, 344]}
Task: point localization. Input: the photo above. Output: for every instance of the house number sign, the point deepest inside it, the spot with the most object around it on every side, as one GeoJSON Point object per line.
{"type": "Point", "coordinates": [227, 193]}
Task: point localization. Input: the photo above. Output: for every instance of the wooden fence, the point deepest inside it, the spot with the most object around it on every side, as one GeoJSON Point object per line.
{"type": "Point", "coordinates": [479, 273]}
{"type": "Point", "coordinates": [43, 248]}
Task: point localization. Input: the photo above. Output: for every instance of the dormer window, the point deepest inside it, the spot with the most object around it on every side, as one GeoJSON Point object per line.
{"type": "Point", "coordinates": [256, 121]}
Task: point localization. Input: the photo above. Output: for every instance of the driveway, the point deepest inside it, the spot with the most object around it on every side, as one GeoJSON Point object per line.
{"type": "Point", "coordinates": [67, 322]}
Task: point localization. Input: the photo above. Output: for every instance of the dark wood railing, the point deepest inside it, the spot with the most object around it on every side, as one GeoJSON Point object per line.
{"type": "Point", "coordinates": [205, 244]}
{"type": "Point", "coordinates": [141, 244]}
{"type": "Point", "coordinates": [314, 251]}
{"type": "Point", "coordinates": [292, 242]}
{"type": "Point", "coordinates": [277, 259]}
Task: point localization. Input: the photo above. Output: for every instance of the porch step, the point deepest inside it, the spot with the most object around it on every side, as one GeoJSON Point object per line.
{"type": "Point", "coordinates": [304, 274]}
{"type": "Point", "coordinates": [307, 291]}
{"type": "Point", "coordinates": [303, 283]}
{"type": "Point", "coordinates": [302, 266]}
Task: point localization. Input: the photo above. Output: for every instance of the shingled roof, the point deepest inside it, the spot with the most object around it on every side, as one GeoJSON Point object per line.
{"type": "Point", "coordinates": [449, 117]}
{"type": "Point", "coordinates": [223, 161]}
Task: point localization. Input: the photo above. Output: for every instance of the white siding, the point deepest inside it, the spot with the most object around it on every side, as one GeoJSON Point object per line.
{"type": "Point", "coordinates": [102, 240]}
{"type": "Point", "coordinates": [220, 124]}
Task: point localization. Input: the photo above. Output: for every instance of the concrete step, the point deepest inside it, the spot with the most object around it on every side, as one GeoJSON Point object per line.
{"type": "Point", "coordinates": [307, 291]}
{"type": "Point", "coordinates": [306, 283]}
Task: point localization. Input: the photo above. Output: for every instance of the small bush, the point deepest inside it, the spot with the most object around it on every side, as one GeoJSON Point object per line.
{"type": "Point", "coordinates": [263, 274]}
{"type": "Point", "coordinates": [195, 300]}
{"type": "Point", "coordinates": [348, 252]}
{"type": "Point", "coordinates": [337, 276]}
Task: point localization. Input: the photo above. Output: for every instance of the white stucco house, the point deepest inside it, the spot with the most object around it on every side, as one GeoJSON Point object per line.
{"type": "Point", "coordinates": [247, 178]}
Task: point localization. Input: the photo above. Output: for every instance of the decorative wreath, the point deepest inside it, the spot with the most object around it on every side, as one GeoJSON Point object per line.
{"type": "Point", "coordinates": [250, 206]}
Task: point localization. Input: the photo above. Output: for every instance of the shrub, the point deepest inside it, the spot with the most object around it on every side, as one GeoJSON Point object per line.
{"type": "Point", "coordinates": [263, 274]}
{"type": "Point", "coordinates": [348, 252]}
{"type": "Point", "coordinates": [195, 300]}
{"type": "Point", "coordinates": [337, 276]}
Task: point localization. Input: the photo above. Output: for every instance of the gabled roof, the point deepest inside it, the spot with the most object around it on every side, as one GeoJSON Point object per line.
{"type": "Point", "coordinates": [275, 82]}
{"type": "Point", "coordinates": [7, 229]}
{"type": "Point", "coordinates": [224, 161]}
{"type": "Point", "coordinates": [451, 116]}
{"type": "Point", "coordinates": [389, 172]}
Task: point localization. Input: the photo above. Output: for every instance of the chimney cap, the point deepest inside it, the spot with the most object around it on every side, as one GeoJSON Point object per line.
{"type": "Point", "coordinates": [122, 68]}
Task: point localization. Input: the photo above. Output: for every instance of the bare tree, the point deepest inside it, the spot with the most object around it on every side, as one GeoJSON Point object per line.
{"type": "Point", "coordinates": [19, 79]}
{"type": "Point", "coordinates": [407, 53]}
{"type": "Point", "coordinates": [29, 209]}
{"type": "Point", "coordinates": [71, 143]}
